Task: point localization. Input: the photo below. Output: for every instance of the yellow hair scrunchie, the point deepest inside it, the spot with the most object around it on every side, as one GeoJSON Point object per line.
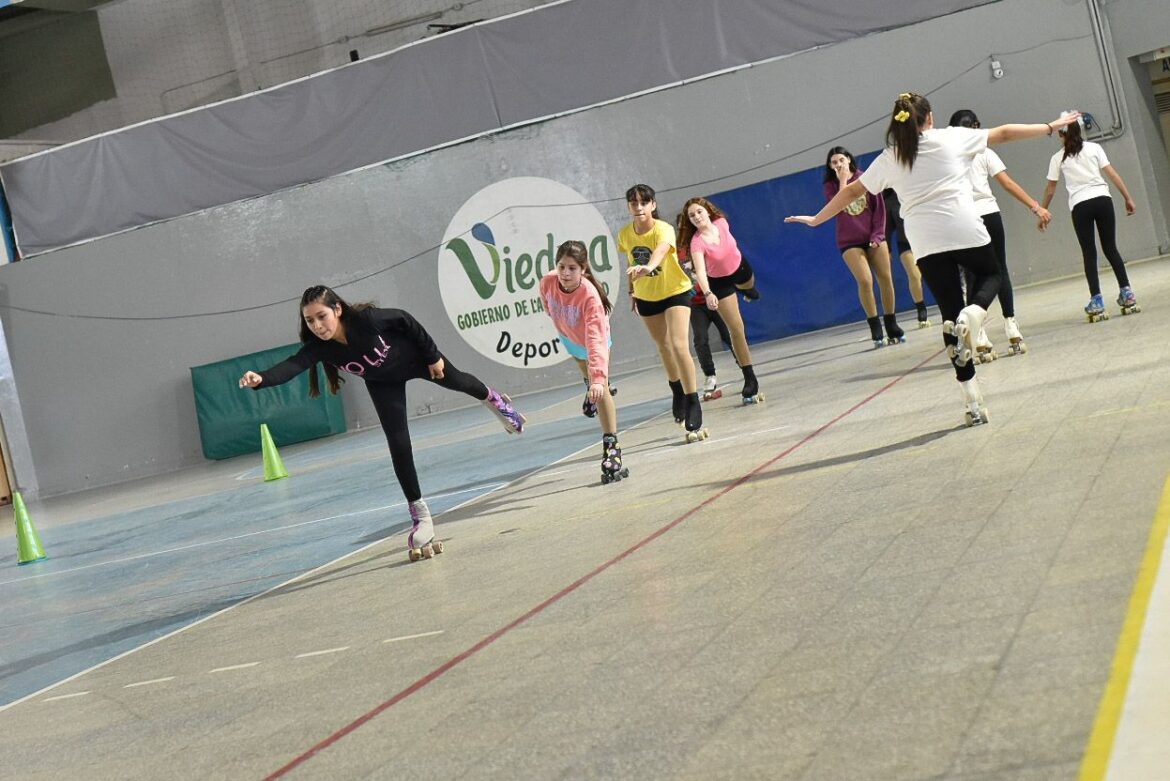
{"type": "Point", "coordinates": [902, 116]}
{"type": "Point", "coordinates": [905, 96]}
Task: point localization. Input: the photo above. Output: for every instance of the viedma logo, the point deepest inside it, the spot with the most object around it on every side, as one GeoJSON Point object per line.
{"type": "Point", "coordinates": [494, 252]}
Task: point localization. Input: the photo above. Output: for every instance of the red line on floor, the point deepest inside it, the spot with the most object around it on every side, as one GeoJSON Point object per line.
{"type": "Point", "coordinates": [569, 589]}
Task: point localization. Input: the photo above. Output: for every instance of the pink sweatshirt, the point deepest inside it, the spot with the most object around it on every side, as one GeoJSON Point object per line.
{"type": "Point", "coordinates": [580, 317]}
{"type": "Point", "coordinates": [722, 259]}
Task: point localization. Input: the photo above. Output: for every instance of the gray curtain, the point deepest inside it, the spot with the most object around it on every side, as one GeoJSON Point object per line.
{"type": "Point", "coordinates": [465, 83]}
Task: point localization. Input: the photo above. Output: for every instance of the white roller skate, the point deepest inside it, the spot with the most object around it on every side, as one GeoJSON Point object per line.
{"type": "Point", "coordinates": [984, 349]}
{"type": "Point", "coordinates": [711, 389]}
{"type": "Point", "coordinates": [421, 542]}
{"type": "Point", "coordinates": [1095, 309]}
{"type": "Point", "coordinates": [966, 329]}
{"type": "Point", "coordinates": [611, 460]}
{"type": "Point", "coordinates": [501, 406]}
{"type": "Point", "coordinates": [1128, 301]}
{"type": "Point", "coordinates": [1016, 344]}
{"type": "Point", "coordinates": [976, 413]}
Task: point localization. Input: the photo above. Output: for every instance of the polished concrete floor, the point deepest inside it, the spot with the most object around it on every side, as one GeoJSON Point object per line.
{"type": "Point", "coordinates": [842, 583]}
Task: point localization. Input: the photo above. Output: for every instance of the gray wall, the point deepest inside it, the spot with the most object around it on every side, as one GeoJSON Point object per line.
{"type": "Point", "coordinates": [106, 400]}
{"type": "Point", "coordinates": [174, 55]}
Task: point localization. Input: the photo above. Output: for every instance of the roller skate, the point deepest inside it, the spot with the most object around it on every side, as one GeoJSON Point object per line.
{"type": "Point", "coordinates": [976, 413]}
{"type": "Point", "coordinates": [678, 404]}
{"type": "Point", "coordinates": [1128, 301]}
{"type": "Point", "coordinates": [611, 460]}
{"type": "Point", "coordinates": [501, 406]}
{"type": "Point", "coordinates": [1095, 309]}
{"type": "Point", "coordinates": [965, 329]}
{"type": "Point", "coordinates": [695, 430]}
{"type": "Point", "coordinates": [875, 332]}
{"type": "Point", "coordinates": [589, 408]}
{"type": "Point", "coordinates": [421, 542]}
{"type": "Point", "coordinates": [1016, 344]}
{"type": "Point", "coordinates": [923, 317]}
{"type": "Point", "coordinates": [751, 387]}
{"type": "Point", "coordinates": [750, 294]}
{"type": "Point", "coordinates": [894, 332]}
{"type": "Point", "coordinates": [984, 349]}
{"type": "Point", "coordinates": [711, 389]}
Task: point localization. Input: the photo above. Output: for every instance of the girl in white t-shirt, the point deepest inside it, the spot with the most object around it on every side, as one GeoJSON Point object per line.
{"type": "Point", "coordinates": [1082, 163]}
{"type": "Point", "coordinates": [928, 168]}
{"type": "Point", "coordinates": [985, 167]}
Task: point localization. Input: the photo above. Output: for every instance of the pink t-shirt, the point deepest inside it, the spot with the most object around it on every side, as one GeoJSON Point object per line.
{"type": "Point", "coordinates": [580, 317]}
{"type": "Point", "coordinates": [722, 259]}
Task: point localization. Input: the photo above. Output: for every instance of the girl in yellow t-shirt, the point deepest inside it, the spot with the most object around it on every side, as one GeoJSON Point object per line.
{"type": "Point", "coordinates": [662, 297]}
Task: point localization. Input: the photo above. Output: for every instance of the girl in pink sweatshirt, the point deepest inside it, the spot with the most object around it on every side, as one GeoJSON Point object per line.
{"type": "Point", "coordinates": [579, 309]}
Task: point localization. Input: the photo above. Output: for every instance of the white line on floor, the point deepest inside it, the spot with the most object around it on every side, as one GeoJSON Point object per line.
{"type": "Point", "coordinates": [233, 667]}
{"type": "Point", "coordinates": [413, 637]}
{"type": "Point", "coordinates": [322, 653]}
{"type": "Point", "coordinates": [148, 683]}
{"type": "Point", "coordinates": [66, 696]}
{"type": "Point", "coordinates": [488, 488]}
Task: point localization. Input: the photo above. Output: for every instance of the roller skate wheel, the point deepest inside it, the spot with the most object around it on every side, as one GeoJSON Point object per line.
{"type": "Point", "coordinates": [924, 324]}
{"type": "Point", "coordinates": [428, 551]}
{"type": "Point", "coordinates": [438, 546]}
{"type": "Point", "coordinates": [892, 340]}
{"type": "Point", "coordinates": [414, 554]}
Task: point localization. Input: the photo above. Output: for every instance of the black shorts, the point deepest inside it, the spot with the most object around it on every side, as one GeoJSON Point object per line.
{"type": "Point", "coordinates": [894, 223]}
{"type": "Point", "coordinates": [723, 287]}
{"type": "Point", "coordinates": [863, 247]}
{"type": "Point", "coordinates": [651, 308]}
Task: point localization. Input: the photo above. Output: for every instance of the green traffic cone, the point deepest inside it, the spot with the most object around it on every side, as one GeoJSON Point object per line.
{"type": "Point", "coordinates": [273, 466]}
{"type": "Point", "coordinates": [28, 544]}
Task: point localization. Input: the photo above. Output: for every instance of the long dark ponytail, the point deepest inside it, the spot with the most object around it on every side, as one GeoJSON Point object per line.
{"type": "Point", "coordinates": [1074, 142]}
{"type": "Point", "coordinates": [576, 250]}
{"type": "Point", "coordinates": [320, 294]}
{"type": "Point", "coordinates": [906, 123]}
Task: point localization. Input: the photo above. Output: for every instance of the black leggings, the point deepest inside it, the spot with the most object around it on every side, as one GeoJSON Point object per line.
{"type": "Point", "coordinates": [701, 320]}
{"type": "Point", "coordinates": [390, 402]}
{"type": "Point", "coordinates": [1007, 302]}
{"type": "Point", "coordinates": [1098, 212]}
{"type": "Point", "coordinates": [941, 273]}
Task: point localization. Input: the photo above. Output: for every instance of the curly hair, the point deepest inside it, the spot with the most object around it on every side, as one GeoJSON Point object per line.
{"type": "Point", "coordinates": [686, 228]}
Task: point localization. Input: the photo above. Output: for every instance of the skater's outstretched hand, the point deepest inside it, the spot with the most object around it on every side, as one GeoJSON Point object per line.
{"type": "Point", "coordinates": [251, 380]}
{"type": "Point", "coordinates": [436, 369]}
{"type": "Point", "coordinates": [803, 220]}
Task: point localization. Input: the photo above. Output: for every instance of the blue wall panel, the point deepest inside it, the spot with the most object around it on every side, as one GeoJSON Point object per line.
{"type": "Point", "coordinates": [803, 281]}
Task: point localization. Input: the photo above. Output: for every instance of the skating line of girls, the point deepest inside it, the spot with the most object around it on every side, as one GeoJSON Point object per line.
{"type": "Point", "coordinates": [924, 172]}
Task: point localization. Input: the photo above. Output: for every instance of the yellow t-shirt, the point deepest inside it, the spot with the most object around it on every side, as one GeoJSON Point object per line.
{"type": "Point", "coordinates": [665, 281]}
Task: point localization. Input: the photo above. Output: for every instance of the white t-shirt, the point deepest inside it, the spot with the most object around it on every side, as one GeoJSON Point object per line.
{"type": "Point", "coordinates": [937, 205]}
{"type": "Point", "coordinates": [985, 165]}
{"type": "Point", "coordinates": [1082, 173]}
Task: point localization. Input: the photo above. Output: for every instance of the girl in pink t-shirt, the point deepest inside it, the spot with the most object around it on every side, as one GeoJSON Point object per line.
{"type": "Point", "coordinates": [721, 271]}
{"type": "Point", "coordinates": [579, 309]}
